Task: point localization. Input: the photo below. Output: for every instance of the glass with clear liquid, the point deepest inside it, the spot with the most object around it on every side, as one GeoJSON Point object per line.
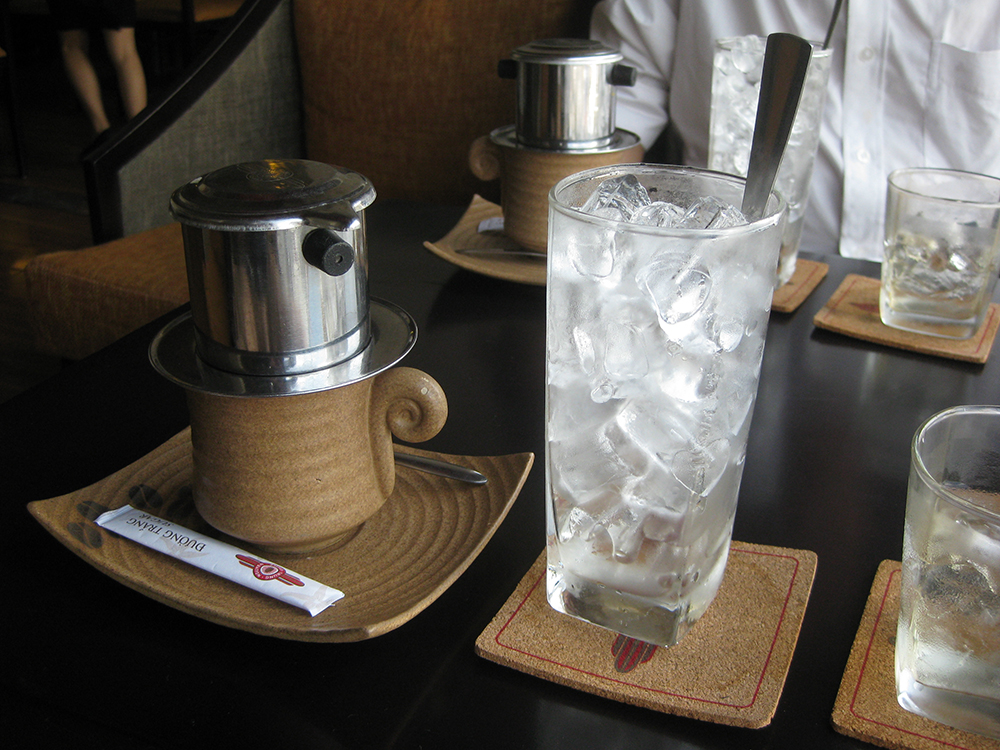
{"type": "Point", "coordinates": [658, 294]}
{"type": "Point", "coordinates": [948, 635]}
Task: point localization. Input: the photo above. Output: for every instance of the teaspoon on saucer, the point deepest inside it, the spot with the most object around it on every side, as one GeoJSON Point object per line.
{"type": "Point", "coordinates": [499, 251]}
{"type": "Point", "coordinates": [440, 468]}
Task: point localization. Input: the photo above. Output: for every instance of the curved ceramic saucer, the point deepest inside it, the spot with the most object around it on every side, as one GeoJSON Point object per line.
{"type": "Point", "coordinates": [466, 235]}
{"type": "Point", "coordinates": [403, 558]}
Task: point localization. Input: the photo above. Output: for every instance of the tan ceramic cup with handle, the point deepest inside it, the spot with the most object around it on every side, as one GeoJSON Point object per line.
{"type": "Point", "coordinates": [527, 175]}
{"type": "Point", "coordinates": [299, 474]}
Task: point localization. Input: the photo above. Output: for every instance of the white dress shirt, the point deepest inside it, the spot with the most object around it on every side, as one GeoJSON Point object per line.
{"type": "Point", "coordinates": [913, 83]}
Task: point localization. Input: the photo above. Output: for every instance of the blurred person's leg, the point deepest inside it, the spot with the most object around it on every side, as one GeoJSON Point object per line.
{"type": "Point", "coordinates": [128, 67]}
{"type": "Point", "coordinates": [74, 46]}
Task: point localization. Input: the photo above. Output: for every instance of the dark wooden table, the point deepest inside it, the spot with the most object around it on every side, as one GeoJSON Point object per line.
{"type": "Point", "coordinates": [90, 663]}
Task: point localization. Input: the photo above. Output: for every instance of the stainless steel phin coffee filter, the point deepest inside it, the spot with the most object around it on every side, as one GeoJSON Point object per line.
{"type": "Point", "coordinates": [565, 124]}
{"type": "Point", "coordinates": [566, 93]}
{"type": "Point", "coordinates": [277, 268]}
{"type": "Point", "coordinates": [277, 265]}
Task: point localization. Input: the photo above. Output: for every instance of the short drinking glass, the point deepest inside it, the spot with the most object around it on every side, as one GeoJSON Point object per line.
{"type": "Point", "coordinates": [942, 251]}
{"type": "Point", "coordinates": [948, 637]}
{"type": "Point", "coordinates": [658, 295]}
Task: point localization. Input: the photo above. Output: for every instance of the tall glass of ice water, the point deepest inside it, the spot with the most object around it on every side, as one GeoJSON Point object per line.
{"type": "Point", "coordinates": [658, 294]}
{"type": "Point", "coordinates": [736, 72]}
{"type": "Point", "coordinates": [948, 637]}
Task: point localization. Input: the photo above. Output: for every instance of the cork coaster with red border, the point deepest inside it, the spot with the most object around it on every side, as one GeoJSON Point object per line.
{"type": "Point", "coordinates": [853, 311]}
{"type": "Point", "coordinates": [866, 706]}
{"type": "Point", "coordinates": [729, 669]}
{"type": "Point", "coordinates": [808, 274]}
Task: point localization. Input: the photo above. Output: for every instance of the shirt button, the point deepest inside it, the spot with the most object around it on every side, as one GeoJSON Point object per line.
{"type": "Point", "coordinates": [863, 156]}
{"type": "Point", "coordinates": [866, 54]}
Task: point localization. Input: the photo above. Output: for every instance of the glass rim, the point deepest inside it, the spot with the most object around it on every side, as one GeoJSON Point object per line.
{"type": "Point", "coordinates": [610, 170]}
{"type": "Point", "coordinates": [924, 473]}
{"type": "Point", "coordinates": [818, 50]}
{"type": "Point", "coordinates": [895, 181]}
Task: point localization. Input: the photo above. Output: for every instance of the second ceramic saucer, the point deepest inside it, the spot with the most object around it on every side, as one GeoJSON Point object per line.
{"type": "Point", "coordinates": [512, 264]}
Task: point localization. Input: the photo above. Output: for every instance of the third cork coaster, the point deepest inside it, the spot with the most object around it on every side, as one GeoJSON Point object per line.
{"type": "Point", "coordinates": [866, 706]}
{"type": "Point", "coordinates": [808, 274]}
{"type": "Point", "coordinates": [729, 669]}
{"type": "Point", "coordinates": [853, 311]}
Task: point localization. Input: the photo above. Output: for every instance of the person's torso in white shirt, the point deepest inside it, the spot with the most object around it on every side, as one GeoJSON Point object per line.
{"type": "Point", "coordinates": [922, 89]}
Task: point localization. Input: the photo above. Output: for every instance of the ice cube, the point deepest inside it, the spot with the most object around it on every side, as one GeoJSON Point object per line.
{"type": "Point", "coordinates": [577, 524]}
{"type": "Point", "coordinates": [622, 195]}
{"type": "Point", "coordinates": [625, 356]}
{"type": "Point", "coordinates": [663, 525]}
{"type": "Point", "coordinates": [958, 262]}
{"type": "Point", "coordinates": [659, 214]}
{"type": "Point", "coordinates": [700, 468]}
{"type": "Point", "coordinates": [603, 392]}
{"type": "Point", "coordinates": [599, 543]}
{"type": "Point", "coordinates": [584, 348]}
{"type": "Point", "coordinates": [658, 427]}
{"type": "Point", "coordinates": [728, 216]}
{"type": "Point", "coordinates": [737, 160]}
{"type": "Point", "coordinates": [960, 594]}
{"type": "Point", "coordinates": [592, 254]}
{"type": "Point", "coordinates": [710, 213]}
{"type": "Point", "coordinates": [631, 455]}
{"type": "Point", "coordinates": [658, 492]}
{"type": "Point", "coordinates": [922, 249]}
{"type": "Point", "coordinates": [736, 397]}
{"type": "Point", "coordinates": [572, 411]}
{"type": "Point", "coordinates": [685, 378]}
{"type": "Point", "coordinates": [625, 529]}
{"type": "Point", "coordinates": [747, 54]}
{"type": "Point", "coordinates": [585, 461]}
{"type": "Point", "coordinates": [677, 285]}
{"type": "Point", "coordinates": [725, 331]}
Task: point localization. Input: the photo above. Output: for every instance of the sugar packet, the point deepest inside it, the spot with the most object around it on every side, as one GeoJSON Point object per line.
{"type": "Point", "coordinates": [219, 558]}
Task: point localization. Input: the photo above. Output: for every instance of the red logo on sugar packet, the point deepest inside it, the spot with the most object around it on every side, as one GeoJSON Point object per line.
{"type": "Point", "coordinates": [268, 571]}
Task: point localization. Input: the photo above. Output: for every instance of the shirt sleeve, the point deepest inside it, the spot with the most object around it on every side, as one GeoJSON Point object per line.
{"type": "Point", "coordinates": [644, 31]}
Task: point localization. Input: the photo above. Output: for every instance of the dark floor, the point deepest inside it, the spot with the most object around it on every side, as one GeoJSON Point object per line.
{"type": "Point", "coordinates": [46, 209]}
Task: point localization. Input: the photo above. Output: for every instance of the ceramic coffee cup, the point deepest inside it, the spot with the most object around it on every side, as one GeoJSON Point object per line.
{"type": "Point", "coordinates": [528, 174]}
{"type": "Point", "coordinates": [302, 473]}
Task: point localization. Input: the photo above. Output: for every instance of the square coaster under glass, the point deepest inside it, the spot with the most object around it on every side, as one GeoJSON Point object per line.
{"type": "Point", "coordinates": [754, 620]}
{"type": "Point", "coordinates": [866, 706]}
{"type": "Point", "coordinates": [853, 311]}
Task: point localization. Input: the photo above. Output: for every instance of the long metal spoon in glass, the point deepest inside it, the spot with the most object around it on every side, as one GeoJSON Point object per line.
{"type": "Point", "coordinates": [786, 58]}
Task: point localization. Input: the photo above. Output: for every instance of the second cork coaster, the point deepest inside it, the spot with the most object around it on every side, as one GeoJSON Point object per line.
{"type": "Point", "coordinates": [866, 706]}
{"type": "Point", "coordinates": [853, 311]}
{"type": "Point", "coordinates": [808, 274]}
{"type": "Point", "coordinates": [729, 669]}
